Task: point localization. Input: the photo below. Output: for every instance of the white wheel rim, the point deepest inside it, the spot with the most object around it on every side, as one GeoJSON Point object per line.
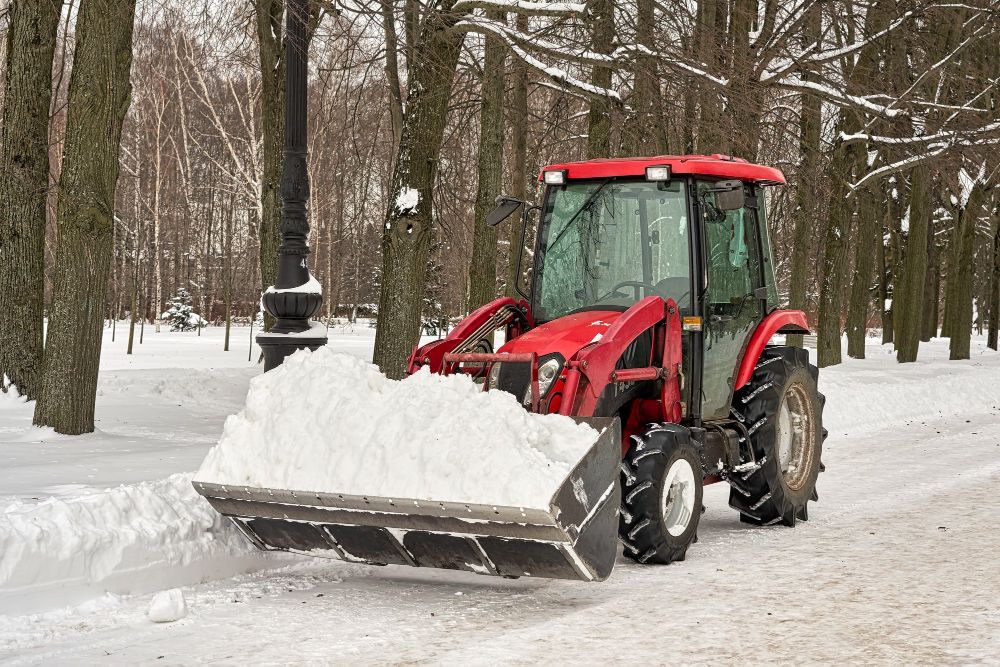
{"type": "Point", "coordinates": [677, 502]}
{"type": "Point", "coordinates": [795, 436]}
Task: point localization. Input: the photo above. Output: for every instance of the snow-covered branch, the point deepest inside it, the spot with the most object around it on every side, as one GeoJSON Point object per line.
{"type": "Point", "coordinates": [530, 7]}
{"type": "Point", "coordinates": [989, 134]}
{"type": "Point", "coordinates": [520, 44]}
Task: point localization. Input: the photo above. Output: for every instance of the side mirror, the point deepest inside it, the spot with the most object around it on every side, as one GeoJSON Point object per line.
{"type": "Point", "coordinates": [505, 208]}
{"type": "Point", "coordinates": [729, 195]}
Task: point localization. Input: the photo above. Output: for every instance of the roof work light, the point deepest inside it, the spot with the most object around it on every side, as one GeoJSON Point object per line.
{"type": "Point", "coordinates": [659, 172]}
{"type": "Point", "coordinates": [555, 177]}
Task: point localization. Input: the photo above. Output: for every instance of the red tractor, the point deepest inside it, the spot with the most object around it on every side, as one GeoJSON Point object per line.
{"type": "Point", "coordinates": [649, 314]}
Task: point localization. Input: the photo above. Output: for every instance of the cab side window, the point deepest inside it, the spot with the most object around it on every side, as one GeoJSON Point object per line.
{"type": "Point", "coordinates": [732, 254]}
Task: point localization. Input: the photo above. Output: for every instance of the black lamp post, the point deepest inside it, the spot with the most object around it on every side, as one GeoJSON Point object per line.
{"type": "Point", "coordinates": [292, 300]}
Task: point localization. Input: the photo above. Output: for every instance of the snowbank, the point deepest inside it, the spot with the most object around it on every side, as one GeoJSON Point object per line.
{"type": "Point", "coordinates": [130, 539]}
{"type": "Point", "coordinates": [868, 395]}
{"type": "Point", "coordinates": [326, 421]}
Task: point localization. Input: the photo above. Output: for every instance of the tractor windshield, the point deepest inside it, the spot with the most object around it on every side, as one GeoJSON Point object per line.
{"type": "Point", "coordinates": [610, 244]}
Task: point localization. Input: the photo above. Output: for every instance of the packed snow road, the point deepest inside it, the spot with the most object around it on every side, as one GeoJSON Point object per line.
{"type": "Point", "coordinates": [896, 565]}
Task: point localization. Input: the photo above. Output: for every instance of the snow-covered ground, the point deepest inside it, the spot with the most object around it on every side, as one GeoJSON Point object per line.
{"type": "Point", "coordinates": [897, 563]}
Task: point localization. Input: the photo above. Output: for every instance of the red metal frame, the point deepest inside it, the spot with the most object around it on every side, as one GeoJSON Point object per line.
{"type": "Point", "coordinates": [722, 166]}
{"type": "Point", "coordinates": [432, 354]}
{"type": "Point", "coordinates": [779, 321]}
{"type": "Point", "coordinates": [482, 358]}
{"type": "Point", "coordinates": [593, 367]}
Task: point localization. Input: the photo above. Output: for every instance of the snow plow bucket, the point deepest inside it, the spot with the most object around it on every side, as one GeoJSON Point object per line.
{"type": "Point", "coordinates": [576, 538]}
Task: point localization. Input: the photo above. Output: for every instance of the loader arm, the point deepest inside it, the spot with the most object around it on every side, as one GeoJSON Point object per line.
{"type": "Point", "coordinates": [479, 325]}
{"type": "Point", "coordinates": [594, 367]}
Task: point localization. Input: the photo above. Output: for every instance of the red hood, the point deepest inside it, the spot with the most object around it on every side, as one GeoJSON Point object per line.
{"type": "Point", "coordinates": [565, 335]}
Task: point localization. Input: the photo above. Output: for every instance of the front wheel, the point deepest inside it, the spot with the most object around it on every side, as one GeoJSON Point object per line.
{"type": "Point", "coordinates": [661, 495]}
{"type": "Point", "coordinates": [782, 411]}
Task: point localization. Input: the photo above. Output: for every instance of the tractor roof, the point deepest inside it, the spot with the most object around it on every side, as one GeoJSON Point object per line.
{"type": "Point", "coordinates": [721, 166]}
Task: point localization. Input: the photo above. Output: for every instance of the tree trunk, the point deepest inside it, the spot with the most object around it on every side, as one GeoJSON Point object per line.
{"type": "Point", "coordinates": [99, 92]}
{"type": "Point", "coordinates": [908, 302]}
{"type": "Point", "coordinates": [643, 134]}
{"type": "Point", "coordinates": [602, 29]}
{"type": "Point", "coordinates": [392, 70]}
{"type": "Point", "coordinates": [932, 285]}
{"type": "Point", "coordinates": [518, 159]}
{"type": "Point", "coordinates": [24, 184]}
{"type": "Point", "coordinates": [846, 160]}
{"type": "Point", "coordinates": [838, 228]}
{"type": "Point", "coordinates": [709, 31]}
{"type": "Point", "coordinates": [995, 285]}
{"type": "Point", "coordinates": [807, 184]}
{"type": "Point", "coordinates": [272, 73]}
{"type": "Point", "coordinates": [743, 112]}
{"type": "Point", "coordinates": [961, 310]}
{"type": "Point", "coordinates": [951, 277]}
{"type": "Point", "coordinates": [864, 269]}
{"type": "Point", "coordinates": [898, 258]}
{"type": "Point", "coordinates": [132, 315]}
{"type": "Point", "coordinates": [885, 276]}
{"type": "Point", "coordinates": [483, 267]}
{"type": "Point", "coordinates": [406, 233]}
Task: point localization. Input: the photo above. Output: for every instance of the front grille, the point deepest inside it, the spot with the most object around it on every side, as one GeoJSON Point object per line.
{"type": "Point", "coordinates": [514, 379]}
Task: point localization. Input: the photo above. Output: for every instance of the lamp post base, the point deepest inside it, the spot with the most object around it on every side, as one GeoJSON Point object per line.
{"type": "Point", "coordinates": [277, 346]}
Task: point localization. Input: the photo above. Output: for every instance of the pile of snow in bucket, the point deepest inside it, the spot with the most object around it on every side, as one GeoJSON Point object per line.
{"type": "Point", "coordinates": [328, 422]}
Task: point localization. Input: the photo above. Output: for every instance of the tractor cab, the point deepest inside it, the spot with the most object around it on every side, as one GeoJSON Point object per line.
{"type": "Point", "coordinates": [613, 232]}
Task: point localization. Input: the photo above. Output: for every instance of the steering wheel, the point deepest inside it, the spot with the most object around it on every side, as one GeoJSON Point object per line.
{"type": "Point", "coordinates": [635, 284]}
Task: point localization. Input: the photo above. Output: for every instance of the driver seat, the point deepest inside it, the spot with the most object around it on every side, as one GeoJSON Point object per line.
{"type": "Point", "coordinates": [678, 289]}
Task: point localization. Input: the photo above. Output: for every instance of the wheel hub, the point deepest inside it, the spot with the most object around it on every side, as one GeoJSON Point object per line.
{"type": "Point", "coordinates": [678, 497]}
{"type": "Point", "coordinates": [795, 436]}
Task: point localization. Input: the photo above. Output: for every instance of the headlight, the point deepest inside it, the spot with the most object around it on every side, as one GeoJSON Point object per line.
{"type": "Point", "coordinates": [547, 373]}
{"type": "Point", "coordinates": [494, 377]}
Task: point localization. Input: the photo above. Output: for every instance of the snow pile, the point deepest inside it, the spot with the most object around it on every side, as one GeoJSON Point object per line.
{"type": "Point", "coordinates": [868, 395]}
{"type": "Point", "coordinates": [9, 395]}
{"type": "Point", "coordinates": [130, 539]}
{"type": "Point", "coordinates": [326, 421]}
{"type": "Point", "coordinates": [167, 606]}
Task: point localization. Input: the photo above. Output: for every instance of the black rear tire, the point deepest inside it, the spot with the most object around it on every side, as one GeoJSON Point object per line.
{"type": "Point", "coordinates": [782, 410]}
{"type": "Point", "coordinates": [658, 524]}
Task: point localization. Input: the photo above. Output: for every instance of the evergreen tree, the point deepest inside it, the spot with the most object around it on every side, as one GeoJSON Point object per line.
{"type": "Point", "coordinates": [181, 316]}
